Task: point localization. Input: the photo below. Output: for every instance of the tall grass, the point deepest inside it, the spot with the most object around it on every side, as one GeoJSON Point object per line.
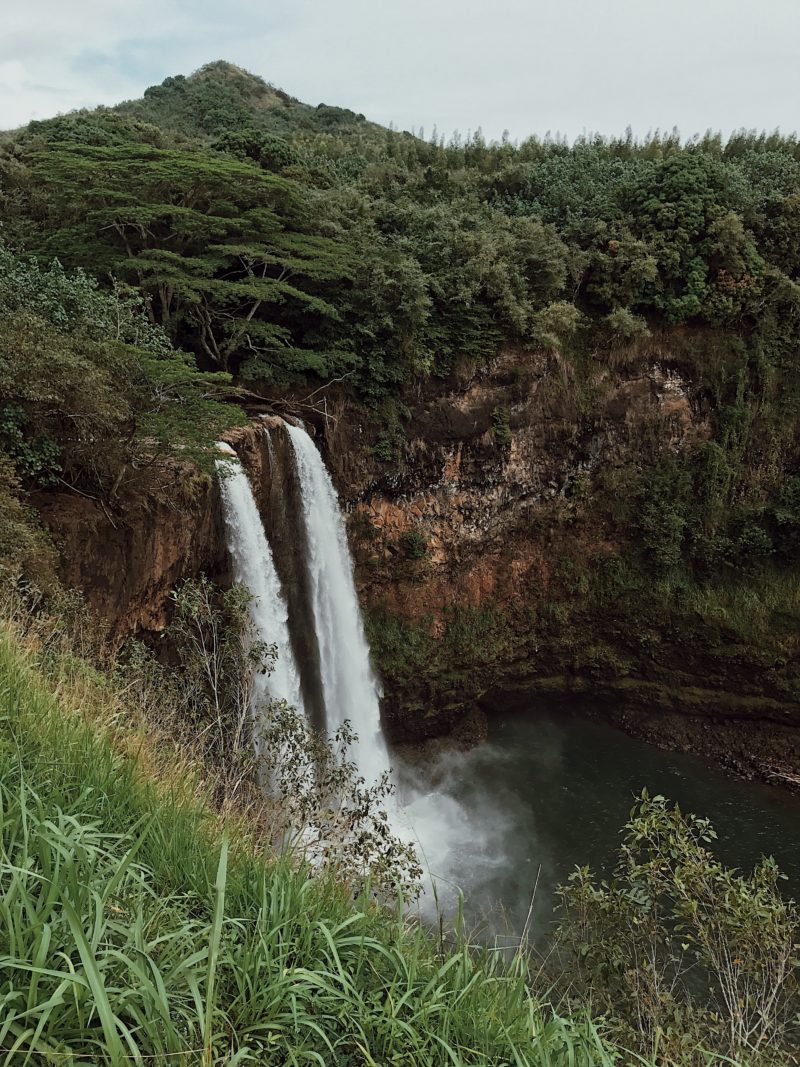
{"type": "Point", "coordinates": [133, 931]}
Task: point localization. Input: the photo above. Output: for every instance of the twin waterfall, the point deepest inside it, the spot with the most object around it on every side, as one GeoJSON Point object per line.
{"type": "Point", "coordinates": [348, 685]}
{"type": "Point", "coordinates": [307, 607]}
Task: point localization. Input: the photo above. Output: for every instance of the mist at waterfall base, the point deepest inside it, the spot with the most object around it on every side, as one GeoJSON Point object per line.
{"type": "Point", "coordinates": [433, 821]}
{"type": "Point", "coordinates": [551, 790]}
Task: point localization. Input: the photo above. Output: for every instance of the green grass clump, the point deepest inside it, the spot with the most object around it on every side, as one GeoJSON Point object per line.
{"type": "Point", "coordinates": [134, 928]}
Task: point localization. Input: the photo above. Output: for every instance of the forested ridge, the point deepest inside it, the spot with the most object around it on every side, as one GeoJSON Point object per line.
{"type": "Point", "coordinates": [284, 244]}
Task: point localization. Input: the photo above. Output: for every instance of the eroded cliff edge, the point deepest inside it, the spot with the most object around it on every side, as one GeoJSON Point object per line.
{"type": "Point", "coordinates": [126, 560]}
{"type": "Point", "coordinates": [491, 563]}
{"type": "Point", "coordinates": [488, 557]}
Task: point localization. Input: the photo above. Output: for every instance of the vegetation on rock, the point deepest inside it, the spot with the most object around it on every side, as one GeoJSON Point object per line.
{"type": "Point", "coordinates": [144, 919]}
{"type": "Point", "coordinates": [289, 244]}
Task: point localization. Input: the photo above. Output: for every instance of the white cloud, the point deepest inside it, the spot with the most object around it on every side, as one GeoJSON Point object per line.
{"type": "Point", "coordinates": [525, 65]}
{"type": "Point", "coordinates": [12, 76]}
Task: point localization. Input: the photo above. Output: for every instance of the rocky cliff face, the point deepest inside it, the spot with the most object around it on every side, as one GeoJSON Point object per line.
{"type": "Point", "coordinates": [471, 555]}
{"type": "Point", "coordinates": [461, 519]}
{"type": "Point", "coordinates": [127, 561]}
{"type": "Point", "coordinates": [474, 547]}
{"type": "Point", "coordinates": [491, 460]}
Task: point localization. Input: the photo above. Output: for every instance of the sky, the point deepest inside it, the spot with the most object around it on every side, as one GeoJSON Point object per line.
{"type": "Point", "coordinates": [522, 66]}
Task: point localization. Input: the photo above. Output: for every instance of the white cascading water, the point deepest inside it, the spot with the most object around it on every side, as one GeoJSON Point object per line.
{"type": "Point", "coordinates": [432, 821]}
{"type": "Point", "coordinates": [349, 686]}
{"type": "Point", "coordinates": [254, 568]}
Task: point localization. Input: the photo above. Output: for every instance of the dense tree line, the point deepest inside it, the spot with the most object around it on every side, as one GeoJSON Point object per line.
{"type": "Point", "coordinates": [283, 243]}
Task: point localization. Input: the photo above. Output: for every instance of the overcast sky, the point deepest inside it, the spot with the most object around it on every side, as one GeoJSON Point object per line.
{"type": "Point", "coordinates": [526, 66]}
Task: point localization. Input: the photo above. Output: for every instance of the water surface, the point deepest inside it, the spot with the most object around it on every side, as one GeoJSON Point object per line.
{"type": "Point", "coordinates": [550, 791]}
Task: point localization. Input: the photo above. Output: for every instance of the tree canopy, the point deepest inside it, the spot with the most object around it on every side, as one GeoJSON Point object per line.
{"type": "Point", "coordinates": [292, 245]}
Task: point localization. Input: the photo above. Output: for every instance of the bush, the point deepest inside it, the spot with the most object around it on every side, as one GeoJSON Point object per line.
{"type": "Point", "coordinates": [677, 945]}
{"type": "Point", "coordinates": [501, 427]}
{"type": "Point", "coordinates": [663, 514]}
{"type": "Point", "coordinates": [621, 326]}
{"type": "Point", "coordinates": [414, 543]}
{"type": "Point", "coordinates": [787, 518]}
{"type": "Point", "coordinates": [91, 393]}
{"type": "Point", "coordinates": [24, 545]}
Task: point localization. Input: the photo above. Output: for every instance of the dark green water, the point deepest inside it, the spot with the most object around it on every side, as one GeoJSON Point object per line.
{"type": "Point", "coordinates": [552, 791]}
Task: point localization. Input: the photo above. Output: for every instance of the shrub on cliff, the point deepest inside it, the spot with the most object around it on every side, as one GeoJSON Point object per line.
{"type": "Point", "coordinates": [24, 546]}
{"type": "Point", "coordinates": [92, 396]}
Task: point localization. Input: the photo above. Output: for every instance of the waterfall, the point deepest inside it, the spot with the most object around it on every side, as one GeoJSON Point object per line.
{"type": "Point", "coordinates": [254, 567]}
{"type": "Point", "coordinates": [349, 687]}
{"type": "Point", "coordinates": [326, 611]}
{"type": "Point", "coordinates": [430, 820]}
{"type": "Point", "coordinates": [426, 817]}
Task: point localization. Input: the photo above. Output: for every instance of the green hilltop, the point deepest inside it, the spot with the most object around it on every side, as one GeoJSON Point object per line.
{"type": "Point", "coordinates": [292, 246]}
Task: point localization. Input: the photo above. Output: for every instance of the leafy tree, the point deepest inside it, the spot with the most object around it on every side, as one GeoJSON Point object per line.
{"type": "Point", "coordinates": [212, 243]}
{"type": "Point", "coordinates": [91, 393]}
{"type": "Point", "coordinates": [679, 945]}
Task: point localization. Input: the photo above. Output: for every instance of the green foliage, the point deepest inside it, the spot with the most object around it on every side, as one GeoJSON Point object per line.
{"type": "Point", "coordinates": [218, 657]}
{"type": "Point", "coordinates": [72, 301]}
{"type": "Point", "coordinates": [414, 543]}
{"type": "Point", "coordinates": [327, 812]}
{"type": "Point", "coordinates": [213, 244]}
{"type": "Point", "coordinates": [402, 650]}
{"type": "Point", "coordinates": [221, 96]}
{"type": "Point", "coordinates": [35, 456]}
{"type": "Point", "coordinates": [501, 427]}
{"type": "Point", "coordinates": [133, 931]}
{"type": "Point", "coordinates": [283, 241]}
{"type": "Point", "coordinates": [556, 324]}
{"type": "Point", "coordinates": [429, 666]}
{"type": "Point", "coordinates": [24, 547]}
{"type": "Point", "coordinates": [787, 518]}
{"type": "Point", "coordinates": [687, 515]}
{"type": "Point", "coordinates": [680, 946]}
{"type": "Point", "coordinates": [663, 514]}
{"type": "Point", "coordinates": [621, 327]}
{"type": "Point", "coordinates": [265, 149]}
{"type": "Point", "coordinates": [91, 394]}
{"type": "Point", "coordinates": [318, 806]}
